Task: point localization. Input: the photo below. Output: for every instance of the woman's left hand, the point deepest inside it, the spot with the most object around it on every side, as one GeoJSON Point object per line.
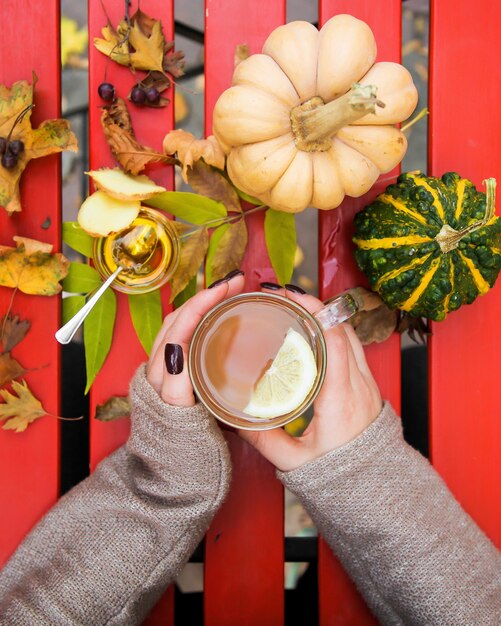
{"type": "Point", "coordinates": [166, 370]}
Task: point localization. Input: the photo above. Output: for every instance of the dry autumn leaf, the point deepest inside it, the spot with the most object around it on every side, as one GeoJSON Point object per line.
{"type": "Point", "coordinates": [230, 250]}
{"type": "Point", "coordinates": [190, 150]}
{"type": "Point", "coordinates": [131, 46]}
{"type": "Point", "coordinates": [173, 62]}
{"type": "Point", "coordinates": [32, 269]}
{"type": "Point", "coordinates": [50, 137]}
{"type": "Point", "coordinates": [376, 325]}
{"type": "Point", "coordinates": [9, 369]}
{"type": "Point", "coordinates": [20, 410]}
{"type": "Point", "coordinates": [128, 152]}
{"type": "Point", "coordinates": [114, 408]}
{"type": "Point", "coordinates": [242, 52]}
{"type": "Point", "coordinates": [12, 331]}
{"type": "Point", "coordinates": [193, 252]}
{"type": "Point", "coordinates": [210, 182]}
{"type": "Point", "coordinates": [416, 327]}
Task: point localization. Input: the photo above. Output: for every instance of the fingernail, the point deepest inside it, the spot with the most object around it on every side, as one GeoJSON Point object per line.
{"type": "Point", "coordinates": [174, 359]}
{"type": "Point", "coordinates": [226, 278]}
{"type": "Point", "coordinates": [272, 286]}
{"type": "Point", "coordinates": [295, 289]}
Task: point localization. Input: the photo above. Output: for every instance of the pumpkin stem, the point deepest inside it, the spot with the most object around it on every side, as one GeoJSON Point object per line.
{"type": "Point", "coordinates": [448, 239]}
{"type": "Point", "coordinates": [314, 123]}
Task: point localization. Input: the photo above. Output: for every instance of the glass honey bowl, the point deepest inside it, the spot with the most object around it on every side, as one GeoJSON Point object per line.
{"type": "Point", "coordinates": [159, 267]}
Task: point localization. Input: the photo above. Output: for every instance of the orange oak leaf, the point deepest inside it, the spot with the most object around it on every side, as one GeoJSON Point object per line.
{"type": "Point", "coordinates": [189, 150]}
{"type": "Point", "coordinates": [9, 369]}
{"type": "Point", "coordinates": [32, 268]}
{"type": "Point", "coordinates": [20, 408]}
{"type": "Point", "coordinates": [129, 153]}
{"type": "Point", "coordinates": [50, 137]}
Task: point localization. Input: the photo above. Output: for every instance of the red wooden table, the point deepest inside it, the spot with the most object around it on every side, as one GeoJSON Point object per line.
{"type": "Point", "coordinates": [244, 554]}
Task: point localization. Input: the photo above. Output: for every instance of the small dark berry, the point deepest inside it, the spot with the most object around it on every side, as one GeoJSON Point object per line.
{"type": "Point", "coordinates": [9, 161]}
{"type": "Point", "coordinates": [16, 147]}
{"type": "Point", "coordinates": [106, 91]}
{"type": "Point", "coordinates": [3, 145]}
{"type": "Point", "coordinates": [137, 95]}
{"type": "Point", "coordinates": [152, 95]}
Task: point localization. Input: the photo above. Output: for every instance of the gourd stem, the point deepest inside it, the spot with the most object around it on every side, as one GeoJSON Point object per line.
{"type": "Point", "coordinates": [314, 123]}
{"type": "Point", "coordinates": [448, 238]}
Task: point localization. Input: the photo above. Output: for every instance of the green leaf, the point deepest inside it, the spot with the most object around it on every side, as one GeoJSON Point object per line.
{"type": "Point", "coordinates": [71, 306]}
{"type": "Point", "coordinates": [193, 251]}
{"type": "Point", "coordinates": [248, 198]}
{"type": "Point", "coordinates": [189, 291]}
{"type": "Point", "coordinates": [226, 250]}
{"type": "Point", "coordinates": [146, 314]}
{"type": "Point", "coordinates": [78, 239]}
{"type": "Point", "coordinates": [187, 206]}
{"type": "Point", "coordinates": [280, 235]}
{"type": "Point", "coordinates": [81, 278]}
{"type": "Point", "coordinates": [98, 333]}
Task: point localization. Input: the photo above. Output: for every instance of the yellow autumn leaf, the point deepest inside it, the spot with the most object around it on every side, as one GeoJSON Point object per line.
{"type": "Point", "coordinates": [19, 410]}
{"type": "Point", "coordinates": [190, 150]}
{"type": "Point", "coordinates": [32, 268]}
{"type": "Point", "coordinates": [73, 39]}
{"type": "Point", "coordinates": [50, 137]}
{"type": "Point", "coordinates": [134, 48]}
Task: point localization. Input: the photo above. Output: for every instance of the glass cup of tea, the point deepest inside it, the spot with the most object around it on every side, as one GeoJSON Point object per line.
{"type": "Point", "coordinates": [257, 360]}
{"type": "Point", "coordinates": [161, 263]}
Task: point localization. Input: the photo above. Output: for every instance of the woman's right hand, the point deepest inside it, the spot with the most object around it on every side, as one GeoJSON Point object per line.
{"type": "Point", "coordinates": [348, 402]}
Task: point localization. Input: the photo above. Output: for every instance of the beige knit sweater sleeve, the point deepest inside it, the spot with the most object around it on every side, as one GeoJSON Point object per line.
{"type": "Point", "coordinates": [106, 552]}
{"type": "Point", "coordinates": [415, 555]}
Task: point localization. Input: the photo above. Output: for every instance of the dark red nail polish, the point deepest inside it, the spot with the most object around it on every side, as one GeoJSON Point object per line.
{"type": "Point", "coordinates": [174, 359]}
{"type": "Point", "coordinates": [295, 289]}
{"type": "Point", "coordinates": [272, 286]}
{"type": "Point", "coordinates": [226, 278]}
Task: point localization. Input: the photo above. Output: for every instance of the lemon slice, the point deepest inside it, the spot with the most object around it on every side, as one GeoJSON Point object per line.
{"type": "Point", "coordinates": [287, 381]}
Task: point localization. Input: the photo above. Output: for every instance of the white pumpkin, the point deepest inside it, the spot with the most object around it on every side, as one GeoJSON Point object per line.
{"type": "Point", "coordinates": [312, 118]}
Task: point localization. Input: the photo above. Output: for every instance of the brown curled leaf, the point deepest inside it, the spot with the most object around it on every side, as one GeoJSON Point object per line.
{"type": "Point", "coordinates": [129, 153]}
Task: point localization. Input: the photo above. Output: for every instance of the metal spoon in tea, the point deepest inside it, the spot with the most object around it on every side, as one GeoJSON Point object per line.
{"type": "Point", "coordinates": [130, 251]}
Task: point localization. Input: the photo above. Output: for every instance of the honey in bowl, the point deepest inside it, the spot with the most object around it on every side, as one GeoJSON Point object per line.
{"type": "Point", "coordinates": [157, 269]}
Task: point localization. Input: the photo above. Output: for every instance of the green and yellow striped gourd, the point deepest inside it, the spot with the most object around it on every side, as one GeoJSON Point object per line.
{"type": "Point", "coordinates": [429, 245]}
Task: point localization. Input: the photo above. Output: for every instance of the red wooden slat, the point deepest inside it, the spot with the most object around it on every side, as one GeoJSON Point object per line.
{"type": "Point", "coordinates": [29, 478]}
{"type": "Point", "coordinates": [150, 126]}
{"type": "Point", "coordinates": [464, 349]}
{"type": "Point", "coordinates": [339, 602]}
{"type": "Point", "coordinates": [244, 569]}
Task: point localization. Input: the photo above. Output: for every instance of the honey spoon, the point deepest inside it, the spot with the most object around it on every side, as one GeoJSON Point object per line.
{"type": "Point", "coordinates": [130, 251]}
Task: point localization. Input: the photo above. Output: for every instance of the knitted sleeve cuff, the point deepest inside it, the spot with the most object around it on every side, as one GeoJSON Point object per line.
{"type": "Point", "coordinates": [149, 408]}
{"type": "Point", "coordinates": [357, 454]}
{"type": "Point", "coordinates": [162, 431]}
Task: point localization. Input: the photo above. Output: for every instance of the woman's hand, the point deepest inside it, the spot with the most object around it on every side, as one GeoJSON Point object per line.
{"type": "Point", "coordinates": [166, 371]}
{"type": "Point", "coordinates": [348, 402]}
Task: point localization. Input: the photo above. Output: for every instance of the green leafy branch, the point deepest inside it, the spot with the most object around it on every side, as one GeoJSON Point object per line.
{"type": "Point", "coordinates": [213, 234]}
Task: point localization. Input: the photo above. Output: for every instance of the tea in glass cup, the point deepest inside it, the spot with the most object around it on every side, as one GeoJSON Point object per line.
{"type": "Point", "coordinates": [257, 361]}
{"type": "Point", "coordinates": [161, 263]}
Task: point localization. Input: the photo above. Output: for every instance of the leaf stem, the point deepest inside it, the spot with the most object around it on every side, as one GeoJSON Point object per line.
{"type": "Point", "coordinates": [423, 113]}
{"type": "Point", "coordinates": [9, 309]}
{"type": "Point", "coordinates": [18, 119]}
{"type": "Point", "coordinates": [221, 221]}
